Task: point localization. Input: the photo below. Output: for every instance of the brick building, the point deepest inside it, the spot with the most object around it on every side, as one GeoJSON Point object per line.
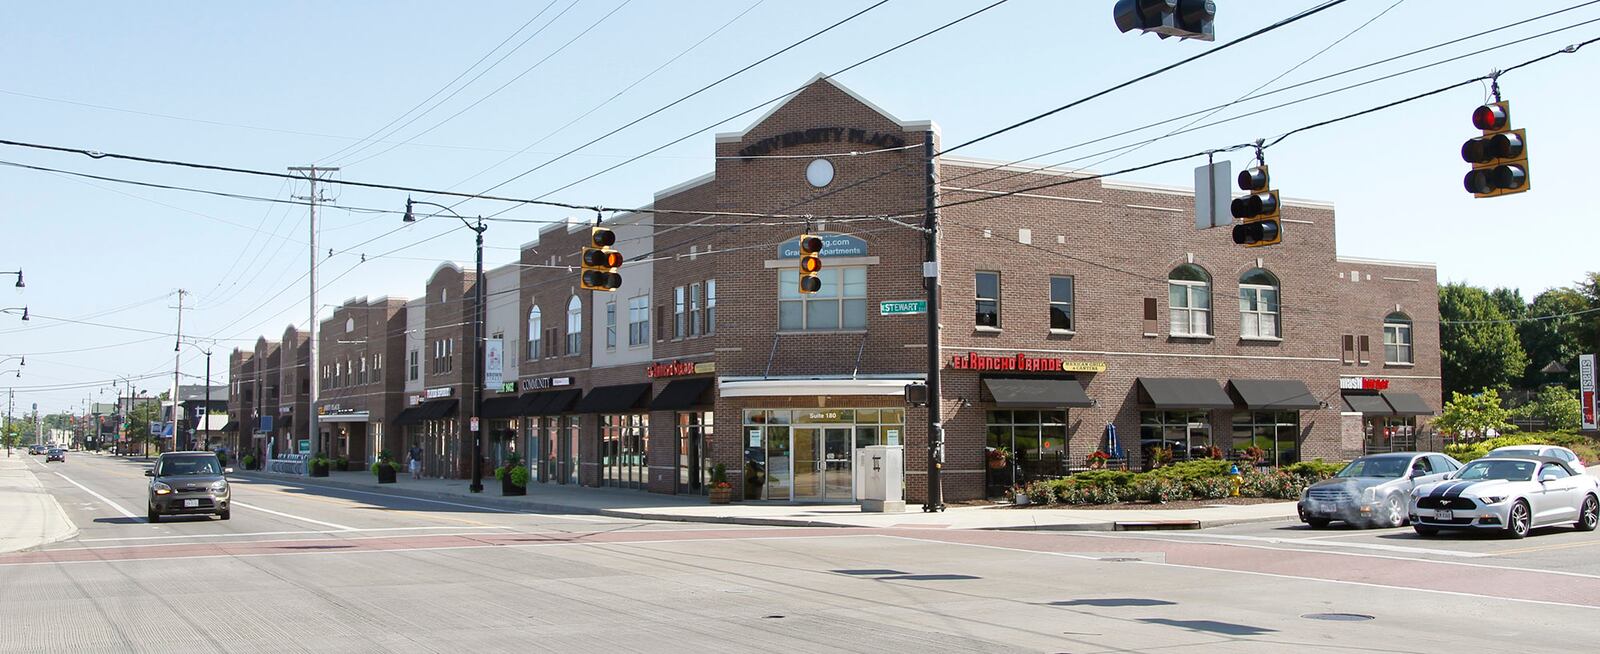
{"type": "Point", "coordinates": [361, 387]}
{"type": "Point", "coordinates": [1056, 341]}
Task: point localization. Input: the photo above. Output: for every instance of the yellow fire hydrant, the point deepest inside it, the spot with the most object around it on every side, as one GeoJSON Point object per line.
{"type": "Point", "coordinates": [1236, 480]}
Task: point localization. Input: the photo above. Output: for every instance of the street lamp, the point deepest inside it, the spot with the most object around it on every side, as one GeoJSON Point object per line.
{"type": "Point", "coordinates": [477, 338]}
{"type": "Point", "coordinates": [24, 311]}
{"type": "Point", "coordinates": [18, 273]}
{"type": "Point", "coordinates": [206, 408]}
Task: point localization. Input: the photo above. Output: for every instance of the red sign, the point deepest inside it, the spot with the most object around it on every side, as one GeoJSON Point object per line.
{"type": "Point", "coordinates": [1364, 384]}
{"type": "Point", "coordinates": [1020, 362]}
{"type": "Point", "coordinates": [1588, 407]}
{"type": "Point", "coordinates": [674, 369]}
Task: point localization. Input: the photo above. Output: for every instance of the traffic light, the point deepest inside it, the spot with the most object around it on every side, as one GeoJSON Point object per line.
{"type": "Point", "coordinates": [1259, 210]}
{"type": "Point", "coordinates": [810, 263]}
{"type": "Point", "coordinates": [1185, 19]}
{"type": "Point", "coordinates": [600, 262]}
{"type": "Point", "coordinates": [1499, 158]}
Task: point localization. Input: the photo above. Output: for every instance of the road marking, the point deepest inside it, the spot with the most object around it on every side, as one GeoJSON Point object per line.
{"type": "Point", "coordinates": [1274, 575]}
{"type": "Point", "coordinates": [465, 506]}
{"type": "Point", "coordinates": [293, 517]}
{"type": "Point", "coordinates": [274, 533]}
{"type": "Point", "coordinates": [1542, 548]}
{"type": "Point", "coordinates": [1364, 546]}
{"type": "Point", "coordinates": [125, 513]}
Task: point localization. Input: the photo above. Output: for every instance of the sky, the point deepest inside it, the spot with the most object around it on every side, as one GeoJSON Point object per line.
{"type": "Point", "coordinates": [468, 95]}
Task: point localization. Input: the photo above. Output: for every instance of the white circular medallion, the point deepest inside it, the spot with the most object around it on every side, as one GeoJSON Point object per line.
{"type": "Point", "coordinates": [819, 173]}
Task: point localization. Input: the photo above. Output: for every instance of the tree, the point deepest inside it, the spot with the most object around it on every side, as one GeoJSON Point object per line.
{"type": "Point", "coordinates": [1477, 348]}
{"type": "Point", "coordinates": [144, 412]}
{"type": "Point", "coordinates": [1556, 406]}
{"type": "Point", "coordinates": [1472, 416]}
{"type": "Point", "coordinates": [1551, 334]}
{"type": "Point", "coordinates": [1510, 302]}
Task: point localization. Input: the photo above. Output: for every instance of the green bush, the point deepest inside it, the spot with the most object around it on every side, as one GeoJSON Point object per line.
{"type": "Point", "coordinates": [1194, 469]}
{"type": "Point", "coordinates": [1204, 480]}
{"type": "Point", "coordinates": [1586, 448]}
{"type": "Point", "coordinates": [1316, 470]}
{"type": "Point", "coordinates": [519, 476]}
{"type": "Point", "coordinates": [1210, 488]}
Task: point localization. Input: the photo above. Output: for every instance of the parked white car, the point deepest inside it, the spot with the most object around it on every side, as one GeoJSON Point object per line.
{"type": "Point", "coordinates": [1552, 451]}
{"type": "Point", "coordinates": [1510, 494]}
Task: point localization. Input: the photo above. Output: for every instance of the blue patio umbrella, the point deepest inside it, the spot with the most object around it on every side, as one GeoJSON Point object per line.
{"type": "Point", "coordinates": [1113, 446]}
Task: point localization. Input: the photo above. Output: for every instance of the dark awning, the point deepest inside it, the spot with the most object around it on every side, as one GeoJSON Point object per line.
{"type": "Point", "coordinates": [682, 394]}
{"type": "Point", "coordinates": [436, 409]}
{"type": "Point", "coordinates": [233, 425]}
{"type": "Point", "coordinates": [552, 402]}
{"type": "Point", "coordinates": [411, 415]}
{"type": "Point", "coordinates": [1182, 393]}
{"type": "Point", "coordinates": [613, 399]}
{"type": "Point", "coordinates": [1407, 404]}
{"type": "Point", "coordinates": [502, 407]}
{"type": "Point", "coordinates": [1273, 394]}
{"type": "Point", "coordinates": [1037, 393]}
{"type": "Point", "coordinates": [1372, 405]}
{"type": "Point", "coordinates": [532, 403]}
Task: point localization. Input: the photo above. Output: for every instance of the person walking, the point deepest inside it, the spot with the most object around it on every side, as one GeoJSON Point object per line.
{"type": "Point", "coordinates": [415, 465]}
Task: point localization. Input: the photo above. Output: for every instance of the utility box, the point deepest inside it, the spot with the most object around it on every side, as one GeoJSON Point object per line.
{"type": "Point", "coordinates": [881, 478]}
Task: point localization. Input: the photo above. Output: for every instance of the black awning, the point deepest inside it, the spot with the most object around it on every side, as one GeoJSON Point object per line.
{"type": "Point", "coordinates": [614, 399]}
{"type": "Point", "coordinates": [436, 409]}
{"type": "Point", "coordinates": [1037, 393]}
{"type": "Point", "coordinates": [533, 403]}
{"type": "Point", "coordinates": [1273, 394]}
{"type": "Point", "coordinates": [502, 407]}
{"type": "Point", "coordinates": [682, 394]}
{"type": "Point", "coordinates": [1182, 393]}
{"type": "Point", "coordinates": [1408, 404]}
{"type": "Point", "coordinates": [553, 402]}
{"type": "Point", "coordinates": [1372, 405]}
{"type": "Point", "coordinates": [233, 425]}
{"type": "Point", "coordinates": [411, 415]}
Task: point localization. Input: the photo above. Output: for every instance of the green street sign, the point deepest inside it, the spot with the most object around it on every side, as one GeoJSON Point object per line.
{"type": "Point", "coordinates": [903, 307]}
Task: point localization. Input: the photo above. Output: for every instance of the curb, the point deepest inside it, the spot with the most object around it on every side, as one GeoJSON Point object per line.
{"type": "Point", "coordinates": [1189, 525]}
{"type": "Point", "coordinates": [70, 533]}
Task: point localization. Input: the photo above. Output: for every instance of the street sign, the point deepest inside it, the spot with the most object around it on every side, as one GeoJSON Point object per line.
{"type": "Point", "coordinates": [903, 307]}
{"type": "Point", "coordinates": [474, 423]}
{"type": "Point", "coordinates": [305, 446]}
{"type": "Point", "coordinates": [1586, 389]}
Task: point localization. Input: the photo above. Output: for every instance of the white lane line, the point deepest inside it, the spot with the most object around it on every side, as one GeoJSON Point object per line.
{"type": "Point", "coordinates": [563, 516]}
{"type": "Point", "coordinates": [125, 513]}
{"type": "Point", "coordinates": [1401, 549]}
{"type": "Point", "coordinates": [293, 517]}
{"type": "Point", "coordinates": [278, 533]}
{"type": "Point", "coordinates": [1273, 575]}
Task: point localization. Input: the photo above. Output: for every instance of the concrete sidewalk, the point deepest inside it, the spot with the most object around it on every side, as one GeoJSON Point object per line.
{"type": "Point", "coordinates": [31, 515]}
{"type": "Point", "coordinates": [640, 505]}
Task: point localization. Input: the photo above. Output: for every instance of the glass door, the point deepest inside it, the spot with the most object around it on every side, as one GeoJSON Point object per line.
{"type": "Point", "coordinates": [838, 485]}
{"type": "Point", "coordinates": [779, 471]}
{"type": "Point", "coordinates": [808, 461]}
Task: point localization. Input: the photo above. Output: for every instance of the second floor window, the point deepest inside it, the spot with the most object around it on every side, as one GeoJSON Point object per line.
{"type": "Point", "coordinates": [840, 304]}
{"type": "Point", "coordinates": [1397, 338]}
{"type": "Point", "coordinates": [988, 299]}
{"type": "Point", "coordinates": [1189, 301]}
{"type": "Point", "coordinates": [680, 315]}
{"type": "Point", "coordinates": [414, 365]}
{"type": "Point", "coordinates": [639, 320]}
{"type": "Point", "coordinates": [535, 330]}
{"type": "Point", "coordinates": [574, 325]}
{"type": "Point", "coordinates": [611, 325]}
{"type": "Point", "coordinates": [1258, 305]}
{"type": "Point", "coordinates": [1061, 303]}
{"type": "Point", "coordinates": [711, 306]}
{"type": "Point", "coordinates": [694, 310]}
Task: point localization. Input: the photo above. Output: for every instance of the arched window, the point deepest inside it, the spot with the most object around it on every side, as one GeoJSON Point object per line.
{"type": "Point", "coordinates": [574, 325]}
{"type": "Point", "coordinates": [1258, 305]}
{"type": "Point", "coordinates": [1189, 300]}
{"type": "Point", "coordinates": [1397, 338]}
{"type": "Point", "coordinates": [535, 332]}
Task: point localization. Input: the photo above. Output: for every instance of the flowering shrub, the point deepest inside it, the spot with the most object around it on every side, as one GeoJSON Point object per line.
{"type": "Point", "coordinates": [1191, 480]}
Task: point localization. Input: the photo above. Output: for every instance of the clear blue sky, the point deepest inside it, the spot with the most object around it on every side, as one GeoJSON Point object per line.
{"type": "Point", "coordinates": [270, 85]}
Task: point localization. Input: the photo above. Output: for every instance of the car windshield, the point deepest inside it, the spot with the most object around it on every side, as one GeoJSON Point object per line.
{"type": "Point", "coordinates": [1520, 451]}
{"type": "Point", "coordinates": [1389, 467]}
{"type": "Point", "coordinates": [189, 465]}
{"type": "Point", "coordinates": [1508, 470]}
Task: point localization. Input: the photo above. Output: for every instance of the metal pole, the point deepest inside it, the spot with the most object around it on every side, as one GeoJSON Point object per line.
{"type": "Point", "coordinates": [313, 372]}
{"type": "Point", "coordinates": [205, 412]}
{"type": "Point", "coordinates": [477, 369]}
{"type": "Point", "coordinates": [177, 360]}
{"type": "Point", "coordinates": [930, 274]}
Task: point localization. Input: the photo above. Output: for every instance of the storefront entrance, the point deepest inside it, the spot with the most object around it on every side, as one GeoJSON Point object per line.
{"type": "Point", "coordinates": [810, 460]}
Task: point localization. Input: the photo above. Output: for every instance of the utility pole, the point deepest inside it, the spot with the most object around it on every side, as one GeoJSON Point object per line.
{"type": "Point", "coordinates": [11, 398]}
{"type": "Point", "coordinates": [930, 279]}
{"type": "Point", "coordinates": [314, 373]}
{"type": "Point", "coordinates": [177, 360]}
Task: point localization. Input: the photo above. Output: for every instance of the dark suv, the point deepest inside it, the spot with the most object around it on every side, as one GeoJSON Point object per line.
{"type": "Point", "coordinates": [188, 483]}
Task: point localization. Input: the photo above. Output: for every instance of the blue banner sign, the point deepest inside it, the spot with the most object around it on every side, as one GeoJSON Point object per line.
{"type": "Point", "coordinates": [833, 245]}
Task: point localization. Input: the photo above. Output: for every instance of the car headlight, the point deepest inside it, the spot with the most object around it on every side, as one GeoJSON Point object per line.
{"type": "Point", "coordinates": [1369, 495]}
{"type": "Point", "coordinates": [1492, 499]}
{"type": "Point", "coordinates": [1415, 494]}
{"type": "Point", "coordinates": [161, 488]}
{"type": "Point", "coordinates": [219, 486]}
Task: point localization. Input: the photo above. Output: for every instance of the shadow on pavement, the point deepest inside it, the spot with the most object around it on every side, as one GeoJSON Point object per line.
{"type": "Point", "coordinates": [1211, 626]}
{"type": "Point", "coordinates": [1115, 601]}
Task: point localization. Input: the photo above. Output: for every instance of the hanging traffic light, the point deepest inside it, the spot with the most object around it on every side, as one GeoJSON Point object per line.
{"type": "Point", "coordinates": [1258, 210]}
{"type": "Point", "coordinates": [600, 262]}
{"type": "Point", "coordinates": [1499, 158]}
{"type": "Point", "coordinates": [810, 263]}
{"type": "Point", "coordinates": [1185, 19]}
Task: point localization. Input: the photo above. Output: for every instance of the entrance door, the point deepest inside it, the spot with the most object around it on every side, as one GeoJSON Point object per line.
{"type": "Point", "coordinates": [822, 458]}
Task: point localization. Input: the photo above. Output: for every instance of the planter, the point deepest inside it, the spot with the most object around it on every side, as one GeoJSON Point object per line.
{"type": "Point", "coordinates": [1021, 499]}
{"type": "Point", "coordinates": [721, 495]}
{"type": "Point", "coordinates": [385, 473]}
{"type": "Point", "coordinates": [997, 464]}
{"type": "Point", "coordinates": [319, 470]}
{"type": "Point", "coordinates": [509, 489]}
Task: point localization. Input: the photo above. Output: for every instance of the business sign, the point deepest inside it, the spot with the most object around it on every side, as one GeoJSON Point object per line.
{"type": "Point", "coordinates": [833, 245]}
{"type": "Point", "coordinates": [679, 369]}
{"type": "Point", "coordinates": [1586, 392]}
{"type": "Point", "coordinates": [305, 446]}
{"type": "Point", "coordinates": [508, 387]}
{"type": "Point", "coordinates": [494, 362]}
{"type": "Point", "coordinates": [1363, 384]}
{"type": "Point", "coordinates": [436, 393]}
{"type": "Point", "coordinates": [902, 307]}
{"type": "Point", "coordinates": [822, 135]}
{"type": "Point", "coordinates": [541, 383]}
{"type": "Point", "coordinates": [1022, 363]}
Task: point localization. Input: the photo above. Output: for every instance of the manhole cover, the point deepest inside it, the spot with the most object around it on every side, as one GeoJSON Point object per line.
{"type": "Point", "coordinates": [1337, 617]}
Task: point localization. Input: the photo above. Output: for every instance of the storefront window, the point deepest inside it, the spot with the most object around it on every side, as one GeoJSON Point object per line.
{"type": "Point", "coordinates": [807, 454]}
{"type": "Point", "coordinates": [624, 441]}
{"type": "Point", "coordinates": [1036, 442]}
{"type": "Point", "coordinates": [694, 451]}
{"type": "Point", "coordinates": [1186, 433]}
{"type": "Point", "coordinates": [1277, 433]}
{"type": "Point", "coordinates": [1391, 434]}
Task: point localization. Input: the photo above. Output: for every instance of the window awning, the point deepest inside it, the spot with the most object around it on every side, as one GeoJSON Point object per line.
{"type": "Point", "coordinates": [1037, 393]}
{"type": "Point", "coordinates": [1369, 404]}
{"type": "Point", "coordinates": [411, 415]}
{"type": "Point", "coordinates": [1407, 404]}
{"type": "Point", "coordinates": [532, 403]}
{"type": "Point", "coordinates": [551, 402]}
{"type": "Point", "coordinates": [615, 399]}
{"type": "Point", "coordinates": [1273, 394]}
{"type": "Point", "coordinates": [682, 394]}
{"type": "Point", "coordinates": [502, 407]}
{"type": "Point", "coordinates": [233, 425]}
{"type": "Point", "coordinates": [436, 409]}
{"type": "Point", "coordinates": [808, 386]}
{"type": "Point", "coordinates": [1182, 393]}
{"type": "Point", "coordinates": [355, 416]}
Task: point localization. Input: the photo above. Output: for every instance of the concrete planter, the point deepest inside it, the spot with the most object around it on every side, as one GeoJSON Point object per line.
{"type": "Point", "coordinates": [721, 495]}
{"type": "Point", "coordinates": [385, 473]}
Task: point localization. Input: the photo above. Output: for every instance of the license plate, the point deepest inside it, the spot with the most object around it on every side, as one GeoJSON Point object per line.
{"type": "Point", "coordinates": [189, 504]}
{"type": "Point", "coordinates": [1444, 514]}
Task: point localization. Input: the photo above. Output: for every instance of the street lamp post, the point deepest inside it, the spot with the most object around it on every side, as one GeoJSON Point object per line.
{"type": "Point", "coordinates": [477, 339]}
{"type": "Point", "coordinates": [206, 408]}
{"type": "Point", "coordinates": [24, 311]}
{"type": "Point", "coordinates": [18, 273]}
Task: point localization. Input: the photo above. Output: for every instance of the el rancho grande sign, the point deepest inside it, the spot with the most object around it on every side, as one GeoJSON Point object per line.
{"type": "Point", "coordinates": [1022, 363]}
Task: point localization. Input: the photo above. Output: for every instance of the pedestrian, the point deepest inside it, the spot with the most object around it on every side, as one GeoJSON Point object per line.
{"type": "Point", "coordinates": [416, 462]}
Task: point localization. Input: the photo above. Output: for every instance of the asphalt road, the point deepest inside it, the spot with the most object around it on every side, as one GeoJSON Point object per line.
{"type": "Point", "coordinates": [319, 570]}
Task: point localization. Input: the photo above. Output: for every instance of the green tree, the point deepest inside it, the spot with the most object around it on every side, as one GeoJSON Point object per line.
{"type": "Point", "coordinates": [1477, 347]}
{"type": "Point", "coordinates": [1552, 334]}
{"type": "Point", "coordinates": [1510, 302]}
{"type": "Point", "coordinates": [1472, 416]}
{"type": "Point", "coordinates": [137, 428]}
{"type": "Point", "coordinates": [1558, 407]}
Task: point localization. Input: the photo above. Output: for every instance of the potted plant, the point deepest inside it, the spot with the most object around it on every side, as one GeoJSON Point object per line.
{"type": "Point", "coordinates": [319, 465]}
{"type": "Point", "coordinates": [721, 490]}
{"type": "Point", "coordinates": [1160, 456]}
{"type": "Point", "coordinates": [341, 464]}
{"type": "Point", "coordinates": [1097, 459]}
{"type": "Point", "coordinates": [998, 456]}
{"type": "Point", "coordinates": [385, 468]}
{"type": "Point", "coordinates": [249, 462]}
{"type": "Point", "coordinates": [1214, 452]}
{"type": "Point", "coordinates": [507, 474]}
{"type": "Point", "coordinates": [1254, 455]}
{"type": "Point", "coordinates": [1019, 495]}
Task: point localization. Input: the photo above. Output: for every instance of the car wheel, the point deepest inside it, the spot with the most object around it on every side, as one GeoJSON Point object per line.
{"type": "Point", "coordinates": [1318, 523]}
{"type": "Point", "coordinates": [1396, 513]}
{"type": "Point", "coordinates": [225, 513]}
{"type": "Point", "coordinates": [1521, 521]}
{"type": "Point", "coordinates": [1426, 531]}
{"type": "Point", "coordinates": [151, 516]}
{"type": "Point", "coordinates": [1589, 515]}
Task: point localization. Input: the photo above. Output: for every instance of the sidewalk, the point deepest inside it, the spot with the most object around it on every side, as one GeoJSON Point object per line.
{"type": "Point", "coordinates": [32, 515]}
{"type": "Point", "coordinates": [641, 505]}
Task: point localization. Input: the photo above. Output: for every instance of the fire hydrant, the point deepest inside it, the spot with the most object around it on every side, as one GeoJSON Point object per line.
{"type": "Point", "coordinates": [1235, 479]}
